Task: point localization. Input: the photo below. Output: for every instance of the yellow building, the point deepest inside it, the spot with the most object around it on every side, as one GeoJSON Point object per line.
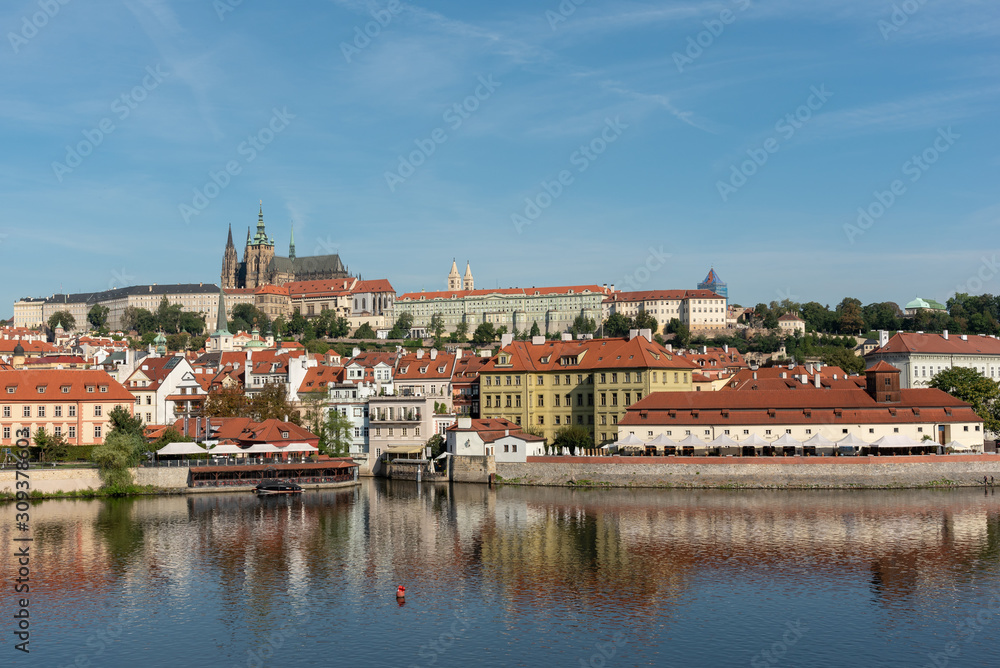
{"type": "Point", "coordinates": [549, 385]}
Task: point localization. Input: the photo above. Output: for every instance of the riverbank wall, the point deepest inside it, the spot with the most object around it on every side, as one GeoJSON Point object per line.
{"type": "Point", "coordinates": [754, 472]}
{"type": "Point", "coordinates": [169, 479]}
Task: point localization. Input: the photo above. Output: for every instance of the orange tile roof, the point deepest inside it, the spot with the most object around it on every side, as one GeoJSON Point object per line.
{"type": "Point", "coordinates": [62, 385]}
{"type": "Point", "coordinates": [492, 429]}
{"type": "Point", "coordinates": [588, 355]}
{"type": "Point", "coordinates": [375, 285]}
{"type": "Point", "coordinates": [318, 378]}
{"type": "Point", "coordinates": [457, 294]}
{"type": "Point", "coordinates": [911, 342]}
{"type": "Point", "coordinates": [661, 295]}
{"type": "Point", "coordinates": [272, 290]}
{"type": "Point", "coordinates": [409, 367]}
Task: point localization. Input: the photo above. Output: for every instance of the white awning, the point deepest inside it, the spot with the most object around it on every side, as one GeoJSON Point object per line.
{"type": "Point", "coordinates": [851, 441]}
{"type": "Point", "coordinates": [226, 449]}
{"type": "Point", "coordinates": [181, 449]}
{"type": "Point", "coordinates": [299, 447]}
{"type": "Point", "coordinates": [958, 447]}
{"type": "Point", "coordinates": [663, 441]}
{"type": "Point", "coordinates": [819, 441]}
{"type": "Point", "coordinates": [787, 440]}
{"type": "Point", "coordinates": [723, 440]}
{"type": "Point", "coordinates": [262, 448]}
{"type": "Point", "coordinates": [691, 439]}
{"type": "Point", "coordinates": [899, 441]}
{"type": "Point", "coordinates": [630, 439]}
{"type": "Point", "coordinates": [755, 440]}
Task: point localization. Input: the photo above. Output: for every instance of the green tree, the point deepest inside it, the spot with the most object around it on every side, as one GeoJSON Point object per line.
{"type": "Point", "coordinates": [770, 320]}
{"type": "Point", "coordinates": [124, 422]}
{"type": "Point", "coordinates": [51, 447]}
{"type": "Point", "coordinates": [169, 435]}
{"type": "Point", "coordinates": [437, 328]}
{"type": "Point", "coordinates": [98, 316]}
{"type": "Point", "coordinates": [844, 358]}
{"type": "Point", "coordinates": [197, 342]}
{"type": "Point", "coordinates": [535, 331]}
{"type": "Point", "coordinates": [227, 402]}
{"type": "Point", "coordinates": [974, 388]}
{"type": "Point", "coordinates": [365, 331]}
{"type": "Point", "coordinates": [168, 316]}
{"type": "Point", "coordinates": [297, 324]}
{"type": "Point", "coordinates": [850, 318]}
{"type": "Point", "coordinates": [271, 402]}
{"type": "Point", "coordinates": [191, 323]}
{"type": "Point", "coordinates": [682, 335]}
{"type": "Point", "coordinates": [437, 444]}
{"type": "Point", "coordinates": [138, 319]}
{"type": "Point", "coordinates": [335, 436]}
{"type": "Point", "coordinates": [484, 334]}
{"type": "Point", "coordinates": [573, 437]}
{"type": "Point", "coordinates": [617, 325]}
{"type": "Point", "coordinates": [583, 325]}
{"type": "Point", "coordinates": [119, 452]}
{"type": "Point", "coordinates": [279, 326]}
{"type": "Point", "coordinates": [177, 342]}
{"type": "Point", "coordinates": [882, 315]}
{"type": "Point", "coordinates": [461, 331]}
{"type": "Point", "coordinates": [62, 318]}
{"type": "Point", "coordinates": [645, 320]}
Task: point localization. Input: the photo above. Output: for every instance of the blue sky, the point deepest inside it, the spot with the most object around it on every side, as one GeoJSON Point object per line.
{"type": "Point", "coordinates": [650, 114]}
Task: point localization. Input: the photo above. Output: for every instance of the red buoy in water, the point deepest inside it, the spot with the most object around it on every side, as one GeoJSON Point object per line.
{"type": "Point", "coordinates": [400, 591]}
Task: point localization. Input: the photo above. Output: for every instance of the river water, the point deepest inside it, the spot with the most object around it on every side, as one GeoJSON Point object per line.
{"type": "Point", "coordinates": [512, 576]}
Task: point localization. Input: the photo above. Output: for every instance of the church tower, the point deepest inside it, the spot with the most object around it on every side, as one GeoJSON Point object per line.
{"type": "Point", "coordinates": [454, 280]}
{"type": "Point", "coordinates": [467, 282]}
{"type": "Point", "coordinates": [259, 255]}
{"type": "Point", "coordinates": [291, 245]}
{"type": "Point", "coordinates": [230, 263]}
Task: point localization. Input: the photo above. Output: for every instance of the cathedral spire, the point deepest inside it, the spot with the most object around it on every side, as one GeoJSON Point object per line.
{"type": "Point", "coordinates": [291, 245]}
{"type": "Point", "coordinates": [222, 326]}
{"type": "Point", "coordinates": [229, 242]}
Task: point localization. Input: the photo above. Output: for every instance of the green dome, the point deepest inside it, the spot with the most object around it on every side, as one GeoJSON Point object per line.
{"type": "Point", "coordinates": [918, 303]}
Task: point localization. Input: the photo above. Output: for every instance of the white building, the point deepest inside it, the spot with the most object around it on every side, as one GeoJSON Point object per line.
{"type": "Point", "coordinates": [919, 356]}
{"type": "Point", "coordinates": [493, 437]}
{"type": "Point", "coordinates": [696, 309]}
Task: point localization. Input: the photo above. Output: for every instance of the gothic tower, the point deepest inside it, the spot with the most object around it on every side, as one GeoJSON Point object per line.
{"type": "Point", "coordinates": [454, 280]}
{"type": "Point", "coordinates": [291, 245]}
{"type": "Point", "coordinates": [259, 255]}
{"type": "Point", "coordinates": [467, 282]}
{"type": "Point", "coordinates": [230, 263]}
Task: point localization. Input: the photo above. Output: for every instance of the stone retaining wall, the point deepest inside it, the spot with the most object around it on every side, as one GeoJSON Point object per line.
{"type": "Point", "coordinates": [755, 472]}
{"type": "Point", "coordinates": [472, 469]}
{"type": "Point", "coordinates": [52, 480]}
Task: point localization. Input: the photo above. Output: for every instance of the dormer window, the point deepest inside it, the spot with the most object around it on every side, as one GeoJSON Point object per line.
{"type": "Point", "coordinates": [40, 389]}
{"type": "Point", "coordinates": [90, 389]}
{"type": "Point", "coordinates": [65, 389]}
{"type": "Point", "coordinates": [11, 389]}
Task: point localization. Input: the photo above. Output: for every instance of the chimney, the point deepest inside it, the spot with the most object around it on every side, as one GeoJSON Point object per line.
{"type": "Point", "coordinates": [420, 354]}
{"type": "Point", "coordinates": [670, 347]}
{"type": "Point", "coordinates": [566, 336]}
{"type": "Point", "coordinates": [507, 339]}
{"type": "Point", "coordinates": [755, 375]}
{"type": "Point", "coordinates": [632, 333]}
{"type": "Point", "coordinates": [434, 353]}
{"type": "Point", "coordinates": [704, 350]}
{"type": "Point", "coordinates": [458, 354]}
{"type": "Point", "coordinates": [465, 423]}
{"type": "Point", "coordinates": [883, 337]}
{"type": "Point", "coordinates": [816, 380]}
{"type": "Point", "coordinates": [804, 379]}
{"type": "Point", "coordinates": [646, 334]}
{"type": "Point", "coordinates": [965, 337]}
{"type": "Point", "coordinates": [783, 375]}
{"type": "Point", "coordinates": [538, 340]}
{"type": "Point", "coordinates": [725, 347]}
{"type": "Point", "coordinates": [612, 288]}
{"type": "Point", "coordinates": [944, 334]}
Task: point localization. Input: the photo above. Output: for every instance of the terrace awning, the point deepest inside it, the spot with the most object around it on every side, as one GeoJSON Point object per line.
{"type": "Point", "coordinates": [226, 449]}
{"type": "Point", "coordinates": [299, 447]}
{"type": "Point", "coordinates": [262, 449]}
{"type": "Point", "coordinates": [630, 440]}
{"type": "Point", "coordinates": [181, 449]}
{"type": "Point", "coordinates": [900, 441]}
{"type": "Point", "coordinates": [405, 449]}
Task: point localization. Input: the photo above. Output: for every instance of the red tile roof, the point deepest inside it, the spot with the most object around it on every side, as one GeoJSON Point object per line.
{"type": "Point", "coordinates": [588, 355]}
{"type": "Point", "coordinates": [62, 385]}
{"type": "Point", "coordinates": [375, 285]}
{"type": "Point", "coordinates": [409, 367]}
{"type": "Point", "coordinates": [456, 294]}
{"type": "Point", "coordinates": [661, 295]}
{"type": "Point", "coordinates": [492, 429]}
{"type": "Point", "coordinates": [911, 342]}
{"type": "Point", "coordinates": [318, 378]}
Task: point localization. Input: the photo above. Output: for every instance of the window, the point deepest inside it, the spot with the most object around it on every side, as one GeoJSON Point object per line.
{"type": "Point", "coordinates": [509, 380]}
{"type": "Point", "coordinates": [41, 411]}
{"type": "Point", "coordinates": [513, 448]}
{"type": "Point", "coordinates": [614, 419]}
{"type": "Point", "coordinates": [746, 432]}
{"type": "Point", "coordinates": [517, 401]}
{"type": "Point", "coordinates": [895, 430]}
{"type": "Point", "coordinates": [26, 411]}
{"type": "Point", "coordinates": [104, 388]}
{"type": "Point", "coordinates": [6, 411]}
{"type": "Point", "coordinates": [149, 399]}
{"type": "Point", "coordinates": [614, 398]}
{"type": "Point", "coordinates": [809, 431]}
{"type": "Point", "coordinates": [41, 389]}
{"type": "Point", "coordinates": [6, 432]}
{"type": "Point", "coordinates": [72, 432]}
{"type": "Point", "coordinates": [579, 399]}
{"type": "Point", "coordinates": [489, 402]}
{"type": "Point", "coordinates": [675, 377]}
{"type": "Point", "coordinates": [506, 448]}
{"type": "Point", "coordinates": [541, 401]}
{"type": "Point", "coordinates": [11, 389]}
{"type": "Point", "coordinates": [628, 377]}
{"type": "Point", "coordinates": [405, 431]}
{"type": "Point", "coordinates": [541, 380]}
{"type": "Point", "coordinates": [149, 418]}
{"type": "Point", "coordinates": [767, 432]}
{"type": "Point", "coordinates": [638, 376]}
{"type": "Point", "coordinates": [57, 411]}
{"type": "Point", "coordinates": [603, 378]}
{"type": "Point", "coordinates": [378, 431]}
{"type": "Point", "coordinates": [965, 428]}
{"type": "Point", "coordinates": [90, 389]}
{"type": "Point", "coordinates": [416, 431]}
{"type": "Point", "coordinates": [579, 419]}
{"type": "Point", "coordinates": [871, 430]}
{"type": "Point", "coordinates": [557, 399]}
{"type": "Point", "coordinates": [614, 377]}
{"type": "Point", "coordinates": [357, 432]}
{"type": "Point", "coordinates": [517, 380]}
{"type": "Point", "coordinates": [788, 431]}
{"type": "Point", "coordinates": [628, 398]}
{"type": "Point", "coordinates": [97, 431]}
{"type": "Point", "coordinates": [72, 410]}
{"type": "Point", "coordinates": [541, 419]}
{"type": "Point", "coordinates": [57, 430]}
{"type": "Point", "coordinates": [508, 401]}
{"type": "Point", "coordinates": [558, 417]}
{"type": "Point", "coordinates": [97, 410]}
{"type": "Point", "coordinates": [390, 431]}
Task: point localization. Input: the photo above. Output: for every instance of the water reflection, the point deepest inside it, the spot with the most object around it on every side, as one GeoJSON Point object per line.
{"type": "Point", "coordinates": [542, 569]}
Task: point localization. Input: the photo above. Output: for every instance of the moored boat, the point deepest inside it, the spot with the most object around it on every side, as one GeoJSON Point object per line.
{"type": "Point", "coordinates": [278, 487]}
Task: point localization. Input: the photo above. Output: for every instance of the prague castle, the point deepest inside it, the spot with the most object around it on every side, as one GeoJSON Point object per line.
{"type": "Point", "coordinates": [260, 266]}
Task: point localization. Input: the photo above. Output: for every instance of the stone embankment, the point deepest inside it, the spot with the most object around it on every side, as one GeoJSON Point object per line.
{"type": "Point", "coordinates": [755, 472]}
